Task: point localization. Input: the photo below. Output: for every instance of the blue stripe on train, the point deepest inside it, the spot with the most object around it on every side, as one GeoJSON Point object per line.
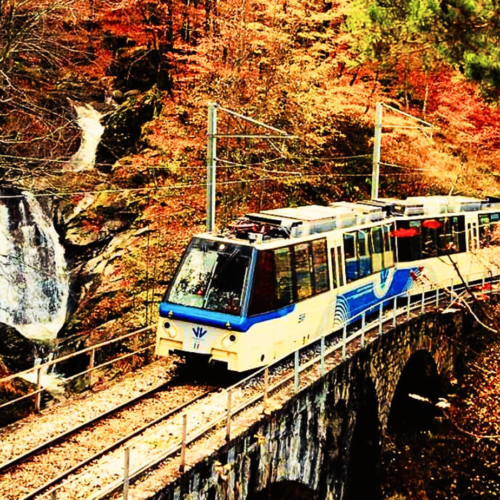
{"type": "Point", "coordinates": [219, 320]}
{"type": "Point", "coordinates": [362, 298]}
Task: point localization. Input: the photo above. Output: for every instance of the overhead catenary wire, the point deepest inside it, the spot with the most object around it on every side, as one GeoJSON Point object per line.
{"type": "Point", "coordinates": [186, 186]}
{"type": "Point", "coordinates": [103, 164]}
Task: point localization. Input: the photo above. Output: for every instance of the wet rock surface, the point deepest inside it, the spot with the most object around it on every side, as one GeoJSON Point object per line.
{"type": "Point", "coordinates": [16, 351]}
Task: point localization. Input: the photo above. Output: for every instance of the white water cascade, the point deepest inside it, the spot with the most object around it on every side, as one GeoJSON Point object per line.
{"type": "Point", "coordinates": [34, 284]}
{"type": "Point", "coordinates": [89, 120]}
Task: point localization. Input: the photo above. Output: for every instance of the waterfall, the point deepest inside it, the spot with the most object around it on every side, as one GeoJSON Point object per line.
{"type": "Point", "coordinates": [34, 285]}
{"type": "Point", "coordinates": [88, 120]}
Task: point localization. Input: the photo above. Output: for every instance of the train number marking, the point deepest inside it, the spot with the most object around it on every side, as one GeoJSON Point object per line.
{"type": "Point", "coordinates": [302, 317]}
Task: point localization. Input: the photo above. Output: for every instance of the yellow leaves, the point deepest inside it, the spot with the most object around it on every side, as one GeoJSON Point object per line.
{"type": "Point", "coordinates": [260, 439]}
{"type": "Point", "coordinates": [223, 470]}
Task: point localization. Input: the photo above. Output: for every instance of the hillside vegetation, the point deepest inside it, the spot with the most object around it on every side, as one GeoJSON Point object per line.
{"type": "Point", "coordinates": [314, 69]}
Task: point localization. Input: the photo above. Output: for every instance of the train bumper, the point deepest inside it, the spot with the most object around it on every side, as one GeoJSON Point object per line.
{"type": "Point", "coordinates": [215, 346]}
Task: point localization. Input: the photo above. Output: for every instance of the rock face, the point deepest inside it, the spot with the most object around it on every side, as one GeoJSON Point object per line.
{"type": "Point", "coordinates": [123, 127]}
{"type": "Point", "coordinates": [16, 351]}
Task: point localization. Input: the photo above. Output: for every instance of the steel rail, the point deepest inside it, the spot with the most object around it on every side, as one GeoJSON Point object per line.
{"type": "Point", "coordinates": [287, 378]}
{"type": "Point", "coordinates": [116, 444]}
{"type": "Point", "coordinates": [11, 463]}
{"type": "Point", "coordinates": [421, 302]}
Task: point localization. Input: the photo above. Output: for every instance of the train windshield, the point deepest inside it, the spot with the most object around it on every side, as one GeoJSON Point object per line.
{"type": "Point", "coordinates": [212, 276]}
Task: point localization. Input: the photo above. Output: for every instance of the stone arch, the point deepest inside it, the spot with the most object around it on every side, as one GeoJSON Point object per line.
{"type": "Point", "coordinates": [363, 453]}
{"type": "Point", "coordinates": [419, 377]}
{"type": "Point", "coordinates": [285, 490]}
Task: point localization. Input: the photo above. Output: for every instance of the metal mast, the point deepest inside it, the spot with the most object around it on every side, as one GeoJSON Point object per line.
{"type": "Point", "coordinates": [376, 150]}
{"type": "Point", "coordinates": [212, 151]}
{"type": "Point", "coordinates": [211, 165]}
{"type": "Point", "coordinates": [422, 125]}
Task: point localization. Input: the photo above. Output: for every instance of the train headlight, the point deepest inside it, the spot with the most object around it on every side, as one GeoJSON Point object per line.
{"type": "Point", "coordinates": [170, 329]}
{"type": "Point", "coordinates": [228, 340]}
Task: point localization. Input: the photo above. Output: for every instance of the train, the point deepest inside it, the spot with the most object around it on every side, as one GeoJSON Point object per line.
{"type": "Point", "coordinates": [278, 279]}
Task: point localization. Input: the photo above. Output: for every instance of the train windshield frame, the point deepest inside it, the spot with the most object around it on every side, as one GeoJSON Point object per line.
{"type": "Point", "coordinates": [213, 276]}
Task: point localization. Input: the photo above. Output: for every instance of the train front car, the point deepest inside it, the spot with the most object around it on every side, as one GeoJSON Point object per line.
{"type": "Point", "coordinates": [202, 311]}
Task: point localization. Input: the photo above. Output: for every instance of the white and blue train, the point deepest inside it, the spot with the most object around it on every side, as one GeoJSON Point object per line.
{"type": "Point", "coordinates": [277, 279]}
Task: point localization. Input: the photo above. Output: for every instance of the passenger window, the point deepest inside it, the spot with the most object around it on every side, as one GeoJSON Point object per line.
{"type": "Point", "coordinates": [388, 254]}
{"type": "Point", "coordinates": [459, 229]}
{"type": "Point", "coordinates": [377, 249]}
{"type": "Point", "coordinates": [351, 263]}
{"type": "Point", "coordinates": [365, 265]}
{"type": "Point", "coordinates": [284, 277]}
{"type": "Point", "coordinates": [263, 296]}
{"type": "Point", "coordinates": [320, 266]}
{"type": "Point", "coordinates": [488, 224]}
{"type": "Point", "coordinates": [430, 237]}
{"type": "Point", "coordinates": [387, 238]}
{"type": "Point", "coordinates": [408, 240]}
{"type": "Point", "coordinates": [350, 253]}
{"type": "Point", "coordinates": [304, 284]}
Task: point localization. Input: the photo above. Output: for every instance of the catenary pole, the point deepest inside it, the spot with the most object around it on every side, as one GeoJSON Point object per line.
{"type": "Point", "coordinates": [376, 150]}
{"type": "Point", "coordinates": [212, 151]}
{"type": "Point", "coordinates": [211, 165]}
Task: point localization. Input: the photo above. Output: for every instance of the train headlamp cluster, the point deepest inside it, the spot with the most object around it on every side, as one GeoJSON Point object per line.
{"type": "Point", "coordinates": [228, 340]}
{"type": "Point", "coordinates": [170, 329]}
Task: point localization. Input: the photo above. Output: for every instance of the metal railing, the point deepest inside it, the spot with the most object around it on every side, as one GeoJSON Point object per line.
{"type": "Point", "coordinates": [375, 317]}
{"type": "Point", "coordinates": [91, 351]}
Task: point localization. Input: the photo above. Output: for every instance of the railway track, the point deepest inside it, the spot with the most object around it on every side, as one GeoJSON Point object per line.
{"type": "Point", "coordinates": [42, 468]}
{"type": "Point", "coordinates": [101, 473]}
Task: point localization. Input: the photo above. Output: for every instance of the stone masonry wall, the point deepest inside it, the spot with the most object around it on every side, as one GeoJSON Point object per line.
{"type": "Point", "coordinates": [310, 439]}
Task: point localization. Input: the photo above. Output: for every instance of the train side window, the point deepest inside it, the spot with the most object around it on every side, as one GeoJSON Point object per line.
{"type": "Point", "coordinates": [445, 237]}
{"type": "Point", "coordinates": [377, 249]}
{"type": "Point", "coordinates": [430, 240]}
{"type": "Point", "coordinates": [320, 266]}
{"type": "Point", "coordinates": [365, 266]}
{"type": "Point", "coordinates": [488, 224]}
{"type": "Point", "coordinates": [408, 240]}
{"type": "Point", "coordinates": [351, 263]}
{"type": "Point", "coordinates": [263, 294]}
{"type": "Point", "coordinates": [388, 254]}
{"type": "Point", "coordinates": [494, 225]}
{"type": "Point", "coordinates": [484, 229]}
{"type": "Point", "coordinates": [303, 274]}
{"type": "Point", "coordinates": [284, 276]}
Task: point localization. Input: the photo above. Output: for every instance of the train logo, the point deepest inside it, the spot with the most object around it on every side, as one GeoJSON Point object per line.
{"type": "Point", "coordinates": [199, 332]}
{"type": "Point", "coordinates": [381, 287]}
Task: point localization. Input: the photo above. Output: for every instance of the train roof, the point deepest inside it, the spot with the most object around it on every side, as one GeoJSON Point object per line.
{"type": "Point", "coordinates": [297, 222]}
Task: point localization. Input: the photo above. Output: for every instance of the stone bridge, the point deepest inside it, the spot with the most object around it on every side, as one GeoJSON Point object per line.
{"type": "Point", "coordinates": [325, 441]}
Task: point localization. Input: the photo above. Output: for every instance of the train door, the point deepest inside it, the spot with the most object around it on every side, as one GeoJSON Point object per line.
{"type": "Point", "coordinates": [472, 234]}
{"type": "Point", "coordinates": [337, 266]}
